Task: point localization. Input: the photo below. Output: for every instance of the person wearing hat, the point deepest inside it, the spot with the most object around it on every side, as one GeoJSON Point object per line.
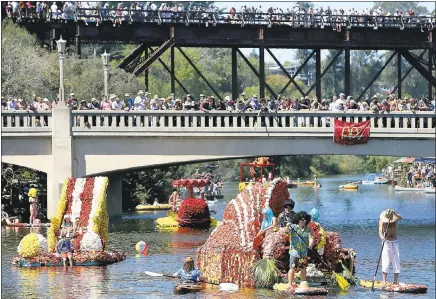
{"type": "Point", "coordinates": [141, 101]}
{"type": "Point", "coordinates": [72, 101]}
{"type": "Point", "coordinates": [128, 101]}
{"type": "Point", "coordinates": [188, 273]}
{"type": "Point", "coordinates": [33, 201]}
{"type": "Point", "coordinates": [64, 246]}
{"type": "Point", "coordinates": [387, 231]}
{"type": "Point", "coordinates": [300, 236]}
{"type": "Point", "coordinates": [288, 215]}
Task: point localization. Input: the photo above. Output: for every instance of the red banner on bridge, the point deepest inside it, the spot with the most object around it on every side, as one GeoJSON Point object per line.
{"type": "Point", "coordinates": [351, 133]}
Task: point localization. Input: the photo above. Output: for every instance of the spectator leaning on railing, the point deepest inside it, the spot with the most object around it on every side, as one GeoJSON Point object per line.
{"type": "Point", "coordinates": [143, 101]}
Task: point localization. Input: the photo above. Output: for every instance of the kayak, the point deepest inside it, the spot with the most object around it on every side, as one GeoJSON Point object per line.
{"type": "Point", "coordinates": [398, 188]}
{"type": "Point", "coordinates": [172, 224]}
{"type": "Point", "coordinates": [185, 288]}
{"type": "Point", "coordinates": [430, 190]}
{"type": "Point", "coordinates": [398, 288]}
{"type": "Point", "coordinates": [349, 187]}
{"type": "Point", "coordinates": [152, 207]}
{"type": "Point", "coordinates": [313, 291]}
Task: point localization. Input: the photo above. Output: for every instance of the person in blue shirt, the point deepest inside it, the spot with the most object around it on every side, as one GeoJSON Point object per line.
{"type": "Point", "coordinates": [188, 273]}
{"type": "Point", "coordinates": [269, 221]}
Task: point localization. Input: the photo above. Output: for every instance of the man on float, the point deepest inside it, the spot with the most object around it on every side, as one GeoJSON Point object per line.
{"type": "Point", "coordinates": [288, 215]}
{"type": "Point", "coordinates": [387, 232]}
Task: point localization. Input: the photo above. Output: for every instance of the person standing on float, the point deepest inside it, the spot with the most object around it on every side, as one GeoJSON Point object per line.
{"type": "Point", "coordinates": [33, 200]}
{"type": "Point", "coordinates": [387, 231]}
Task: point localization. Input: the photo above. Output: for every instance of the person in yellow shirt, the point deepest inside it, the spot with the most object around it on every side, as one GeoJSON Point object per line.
{"type": "Point", "coordinates": [33, 200]}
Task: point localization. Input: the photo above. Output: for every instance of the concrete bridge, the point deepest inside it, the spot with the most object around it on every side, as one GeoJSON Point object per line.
{"type": "Point", "coordinates": [65, 143]}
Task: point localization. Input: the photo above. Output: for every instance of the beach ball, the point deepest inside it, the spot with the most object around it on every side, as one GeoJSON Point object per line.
{"type": "Point", "coordinates": [142, 247]}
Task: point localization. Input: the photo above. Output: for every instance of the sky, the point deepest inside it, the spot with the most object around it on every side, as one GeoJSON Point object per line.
{"type": "Point", "coordinates": [287, 54]}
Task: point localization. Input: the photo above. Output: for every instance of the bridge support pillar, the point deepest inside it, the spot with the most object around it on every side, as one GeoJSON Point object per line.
{"type": "Point", "coordinates": [114, 196]}
{"type": "Point", "coordinates": [62, 155]}
{"type": "Point", "coordinates": [262, 71]}
{"type": "Point", "coordinates": [172, 73]}
{"type": "Point", "coordinates": [235, 90]}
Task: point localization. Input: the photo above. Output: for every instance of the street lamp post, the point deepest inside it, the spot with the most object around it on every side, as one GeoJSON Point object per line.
{"type": "Point", "coordinates": [61, 49]}
{"type": "Point", "coordinates": [105, 58]}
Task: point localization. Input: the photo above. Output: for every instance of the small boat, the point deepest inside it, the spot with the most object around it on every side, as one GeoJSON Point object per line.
{"type": "Point", "coordinates": [376, 181]}
{"type": "Point", "coordinates": [153, 207]}
{"type": "Point", "coordinates": [186, 288]}
{"type": "Point", "coordinates": [292, 185]}
{"type": "Point", "coordinates": [399, 288]}
{"type": "Point", "coordinates": [305, 183]}
{"type": "Point", "coordinates": [349, 187]}
{"type": "Point", "coordinates": [398, 188]}
{"type": "Point", "coordinates": [430, 190]}
{"type": "Point", "coordinates": [21, 224]}
{"type": "Point", "coordinates": [313, 291]}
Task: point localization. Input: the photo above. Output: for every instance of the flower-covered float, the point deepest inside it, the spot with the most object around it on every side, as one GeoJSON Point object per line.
{"type": "Point", "coordinates": [232, 251]}
{"type": "Point", "coordinates": [192, 212]}
{"type": "Point", "coordinates": [84, 199]}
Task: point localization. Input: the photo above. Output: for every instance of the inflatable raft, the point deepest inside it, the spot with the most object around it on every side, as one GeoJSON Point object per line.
{"type": "Point", "coordinates": [398, 188]}
{"type": "Point", "coordinates": [152, 207]}
{"type": "Point", "coordinates": [398, 288]}
{"type": "Point", "coordinates": [430, 190]}
{"type": "Point", "coordinates": [311, 291]}
{"type": "Point", "coordinates": [185, 288]}
{"type": "Point", "coordinates": [349, 187]}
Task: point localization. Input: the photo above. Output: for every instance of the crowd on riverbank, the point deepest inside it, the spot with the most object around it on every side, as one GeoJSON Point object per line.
{"type": "Point", "coordinates": [144, 101]}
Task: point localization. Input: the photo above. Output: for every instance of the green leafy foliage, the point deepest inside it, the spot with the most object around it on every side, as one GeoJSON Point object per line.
{"type": "Point", "coordinates": [265, 273]}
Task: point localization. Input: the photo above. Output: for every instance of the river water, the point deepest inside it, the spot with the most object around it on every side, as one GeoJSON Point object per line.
{"type": "Point", "coordinates": [354, 214]}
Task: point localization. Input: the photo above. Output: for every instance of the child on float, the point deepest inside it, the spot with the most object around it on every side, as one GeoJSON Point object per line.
{"type": "Point", "coordinates": [65, 246]}
{"type": "Point", "coordinates": [299, 237]}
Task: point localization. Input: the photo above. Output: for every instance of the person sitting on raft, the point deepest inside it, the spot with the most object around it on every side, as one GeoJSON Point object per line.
{"type": "Point", "coordinates": [188, 273]}
{"type": "Point", "coordinates": [269, 221]}
{"type": "Point", "coordinates": [65, 246]}
{"type": "Point", "coordinates": [288, 215]}
{"type": "Point", "coordinates": [156, 202]}
{"type": "Point", "coordinates": [299, 237]}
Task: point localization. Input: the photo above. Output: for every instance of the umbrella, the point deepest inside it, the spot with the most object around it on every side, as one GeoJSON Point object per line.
{"type": "Point", "coordinates": [405, 160]}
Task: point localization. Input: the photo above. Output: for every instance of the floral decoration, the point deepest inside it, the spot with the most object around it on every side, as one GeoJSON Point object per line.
{"type": "Point", "coordinates": [318, 234]}
{"type": "Point", "coordinates": [76, 206]}
{"type": "Point", "coordinates": [57, 220]}
{"type": "Point", "coordinates": [86, 199]}
{"type": "Point", "coordinates": [91, 242]}
{"type": "Point", "coordinates": [193, 211]}
{"type": "Point", "coordinates": [100, 218]}
{"type": "Point", "coordinates": [70, 189]}
{"type": "Point", "coordinates": [29, 246]}
{"type": "Point", "coordinates": [230, 251]}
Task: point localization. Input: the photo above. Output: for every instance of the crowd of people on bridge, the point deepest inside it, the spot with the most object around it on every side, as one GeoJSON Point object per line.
{"type": "Point", "coordinates": [145, 101]}
{"type": "Point", "coordinates": [151, 12]}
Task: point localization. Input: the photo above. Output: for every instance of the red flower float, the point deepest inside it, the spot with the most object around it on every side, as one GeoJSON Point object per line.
{"type": "Point", "coordinates": [194, 212]}
{"type": "Point", "coordinates": [86, 198]}
{"type": "Point", "coordinates": [176, 183]}
{"type": "Point", "coordinates": [70, 189]}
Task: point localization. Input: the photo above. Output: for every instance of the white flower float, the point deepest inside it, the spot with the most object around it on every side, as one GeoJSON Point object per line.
{"type": "Point", "coordinates": [91, 242]}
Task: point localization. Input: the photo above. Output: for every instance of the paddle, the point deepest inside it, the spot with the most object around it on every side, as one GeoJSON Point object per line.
{"type": "Point", "coordinates": [223, 286]}
{"type": "Point", "coordinates": [343, 283]}
{"type": "Point", "coordinates": [379, 258]}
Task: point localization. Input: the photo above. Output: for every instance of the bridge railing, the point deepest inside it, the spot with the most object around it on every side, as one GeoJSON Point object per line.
{"type": "Point", "coordinates": [219, 121]}
{"type": "Point", "coordinates": [36, 121]}
{"type": "Point", "coordinates": [294, 19]}
{"type": "Point", "coordinates": [310, 121]}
